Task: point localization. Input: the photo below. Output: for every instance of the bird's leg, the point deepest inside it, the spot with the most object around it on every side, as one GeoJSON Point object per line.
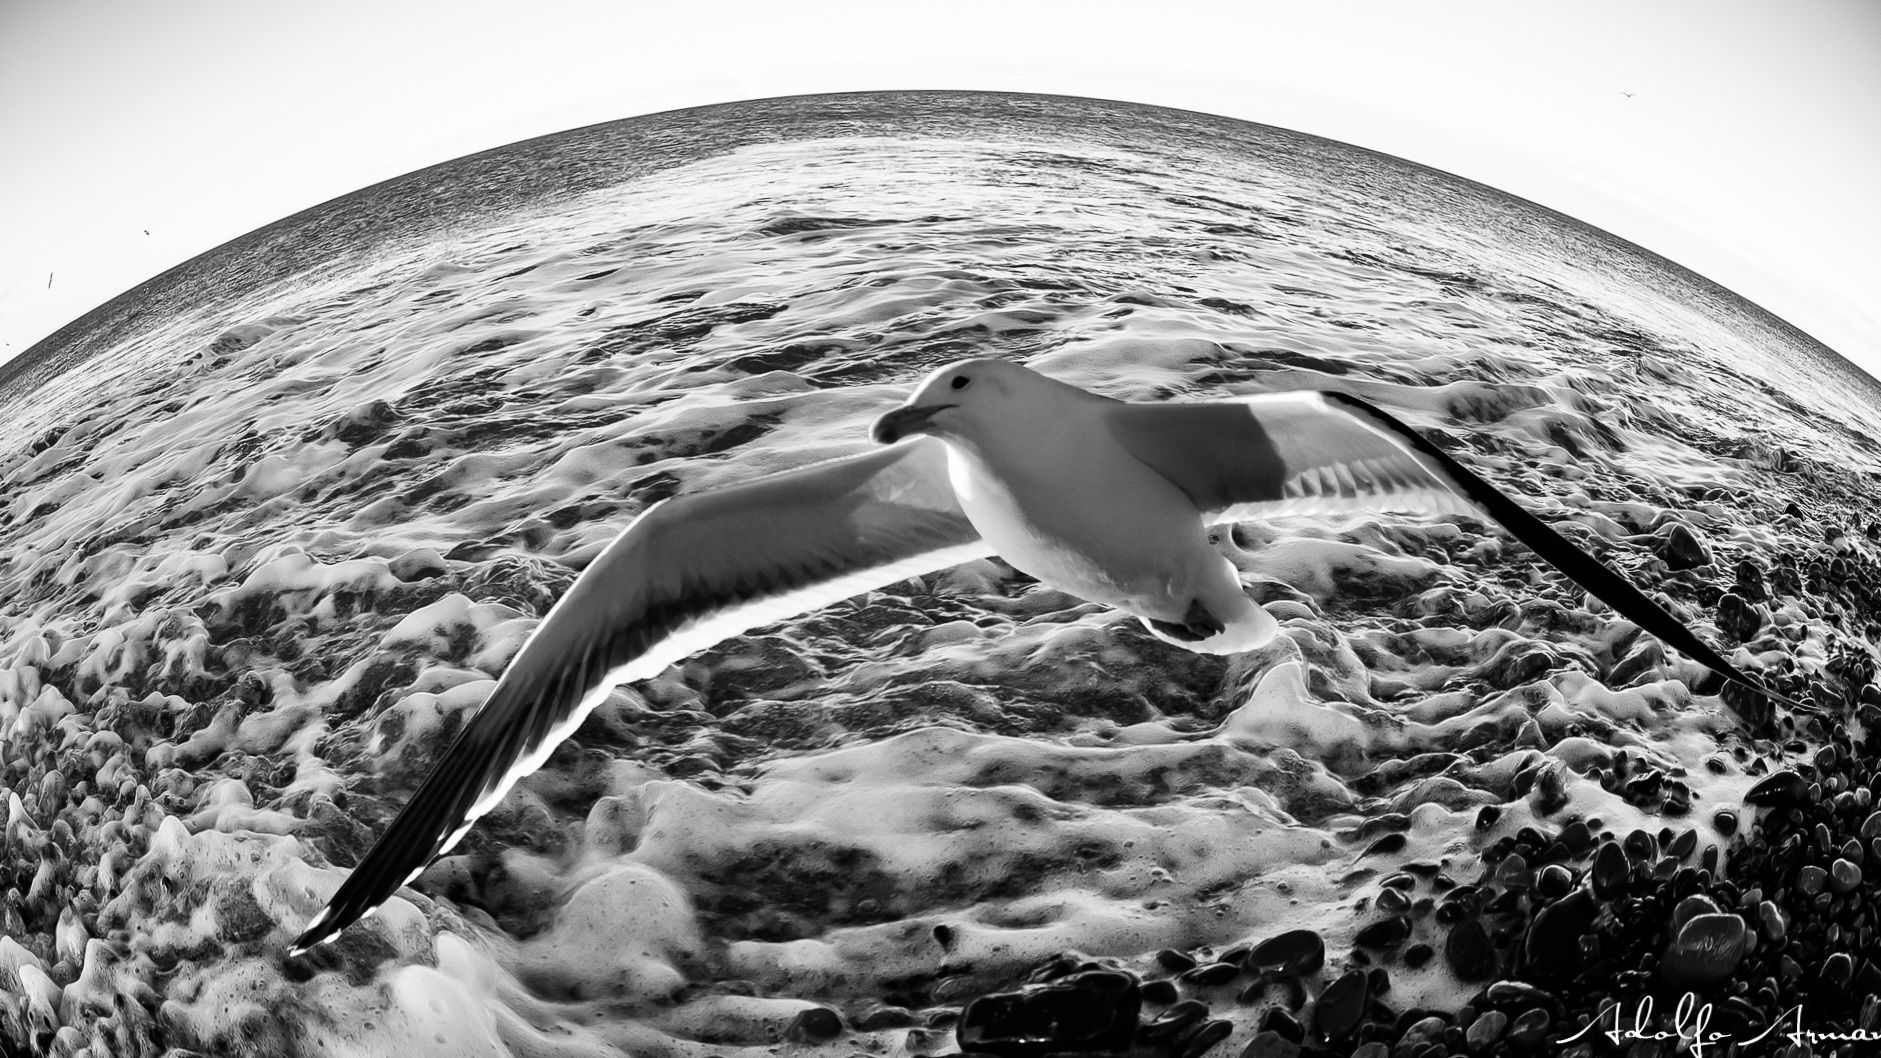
{"type": "Point", "coordinates": [1198, 624]}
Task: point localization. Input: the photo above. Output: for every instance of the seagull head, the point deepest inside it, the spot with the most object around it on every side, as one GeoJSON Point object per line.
{"type": "Point", "coordinates": [958, 401]}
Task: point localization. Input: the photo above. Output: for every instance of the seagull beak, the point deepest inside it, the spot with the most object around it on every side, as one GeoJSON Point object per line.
{"type": "Point", "coordinates": [902, 422]}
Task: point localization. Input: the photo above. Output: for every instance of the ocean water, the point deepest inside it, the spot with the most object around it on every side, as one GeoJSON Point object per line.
{"type": "Point", "coordinates": [273, 524]}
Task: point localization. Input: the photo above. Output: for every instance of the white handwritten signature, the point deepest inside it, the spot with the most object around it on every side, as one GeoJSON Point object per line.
{"type": "Point", "coordinates": [1691, 1023]}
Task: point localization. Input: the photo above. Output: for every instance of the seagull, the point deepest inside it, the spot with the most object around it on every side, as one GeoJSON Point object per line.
{"type": "Point", "coordinates": [1106, 499]}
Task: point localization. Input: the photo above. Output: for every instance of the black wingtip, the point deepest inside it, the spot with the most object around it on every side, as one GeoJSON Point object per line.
{"type": "Point", "coordinates": [1579, 566]}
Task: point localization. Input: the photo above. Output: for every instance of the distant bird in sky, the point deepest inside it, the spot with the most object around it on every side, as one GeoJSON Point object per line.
{"type": "Point", "coordinates": [1106, 499]}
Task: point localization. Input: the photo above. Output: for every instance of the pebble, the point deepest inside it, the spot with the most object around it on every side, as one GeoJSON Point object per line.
{"type": "Point", "coordinates": [1527, 1031]}
{"type": "Point", "coordinates": [1844, 876]}
{"type": "Point", "coordinates": [1174, 1021]}
{"type": "Point", "coordinates": [1737, 617]}
{"type": "Point", "coordinates": [1775, 927]}
{"type": "Point", "coordinates": [1174, 961]}
{"type": "Point", "coordinates": [1554, 881]}
{"type": "Point", "coordinates": [1691, 907]}
{"type": "Point", "coordinates": [1342, 1006]}
{"type": "Point", "coordinates": [1384, 933]}
{"type": "Point", "coordinates": [1777, 790]}
{"type": "Point", "coordinates": [1161, 993]}
{"type": "Point", "coordinates": [1810, 879]}
{"type": "Point", "coordinates": [1610, 871]}
{"type": "Point", "coordinates": [1839, 969]}
{"type": "Point", "coordinates": [814, 1025]}
{"type": "Point", "coordinates": [1707, 950]}
{"type": "Point", "coordinates": [1513, 873]}
{"type": "Point", "coordinates": [1092, 1010]}
{"type": "Point", "coordinates": [1486, 1030]}
{"type": "Point", "coordinates": [1210, 975]}
{"type": "Point", "coordinates": [1205, 1038]}
{"type": "Point", "coordinates": [1301, 952]}
{"type": "Point", "coordinates": [1681, 548]}
{"type": "Point", "coordinates": [1640, 846]}
{"type": "Point", "coordinates": [1552, 951]}
{"type": "Point", "coordinates": [1684, 845]}
{"type": "Point", "coordinates": [1468, 952]}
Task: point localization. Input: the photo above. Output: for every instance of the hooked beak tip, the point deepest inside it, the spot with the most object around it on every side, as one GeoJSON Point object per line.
{"type": "Point", "coordinates": [903, 422]}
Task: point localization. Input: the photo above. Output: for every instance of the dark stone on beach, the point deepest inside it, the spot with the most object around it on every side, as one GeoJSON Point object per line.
{"type": "Point", "coordinates": [1684, 845]}
{"type": "Point", "coordinates": [1610, 871]}
{"type": "Point", "coordinates": [1726, 822]}
{"type": "Point", "coordinates": [1553, 881]}
{"type": "Point", "coordinates": [1513, 873]}
{"type": "Point", "coordinates": [1552, 952]}
{"type": "Point", "coordinates": [1844, 876]}
{"type": "Point", "coordinates": [814, 1025]}
{"type": "Point", "coordinates": [1417, 955]}
{"type": "Point", "coordinates": [1486, 1030]}
{"type": "Point", "coordinates": [1871, 827]}
{"type": "Point", "coordinates": [1384, 933]}
{"type": "Point", "coordinates": [1299, 951]}
{"type": "Point", "coordinates": [1385, 845]}
{"type": "Point", "coordinates": [1527, 1031]}
{"type": "Point", "coordinates": [1205, 1038]}
{"type": "Point", "coordinates": [1778, 790]}
{"type": "Point", "coordinates": [1510, 995]}
{"type": "Point", "coordinates": [1681, 548]}
{"type": "Point", "coordinates": [1160, 993]}
{"type": "Point", "coordinates": [1211, 975]}
{"type": "Point", "coordinates": [1838, 970]}
{"type": "Point", "coordinates": [1468, 951]}
{"type": "Point", "coordinates": [1707, 950]}
{"type": "Point", "coordinates": [1487, 816]}
{"type": "Point", "coordinates": [1691, 907]}
{"type": "Point", "coordinates": [1811, 879]}
{"type": "Point", "coordinates": [1095, 1010]}
{"type": "Point", "coordinates": [1738, 618]}
{"type": "Point", "coordinates": [1775, 926]}
{"type": "Point", "coordinates": [1578, 837]}
{"type": "Point", "coordinates": [1174, 961]}
{"type": "Point", "coordinates": [1341, 1008]}
{"type": "Point", "coordinates": [1173, 1022]}
{"type": "Point", "coordinates": [1639, 846]}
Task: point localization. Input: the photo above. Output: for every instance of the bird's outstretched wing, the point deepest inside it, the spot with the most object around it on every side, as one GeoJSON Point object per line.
{"type": "Point", "coordinates": [687, 573]}
{"type": "Point", "coordinates": [1331, 453]}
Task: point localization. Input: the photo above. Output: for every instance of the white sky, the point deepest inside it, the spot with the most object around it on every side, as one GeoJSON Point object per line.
{"type": "Point", "coordinates": [1749, 149]}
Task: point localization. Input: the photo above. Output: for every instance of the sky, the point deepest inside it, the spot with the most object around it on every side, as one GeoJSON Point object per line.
{"type": "Point", "coordinates": [1740, 138]}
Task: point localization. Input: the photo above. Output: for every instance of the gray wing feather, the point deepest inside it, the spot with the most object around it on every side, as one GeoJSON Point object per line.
{"type": "Point", "coordinates": [687, 573]}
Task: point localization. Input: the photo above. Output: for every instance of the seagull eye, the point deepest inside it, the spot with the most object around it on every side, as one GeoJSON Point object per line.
{"type": "Point", "coordinates": [961, 382]}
